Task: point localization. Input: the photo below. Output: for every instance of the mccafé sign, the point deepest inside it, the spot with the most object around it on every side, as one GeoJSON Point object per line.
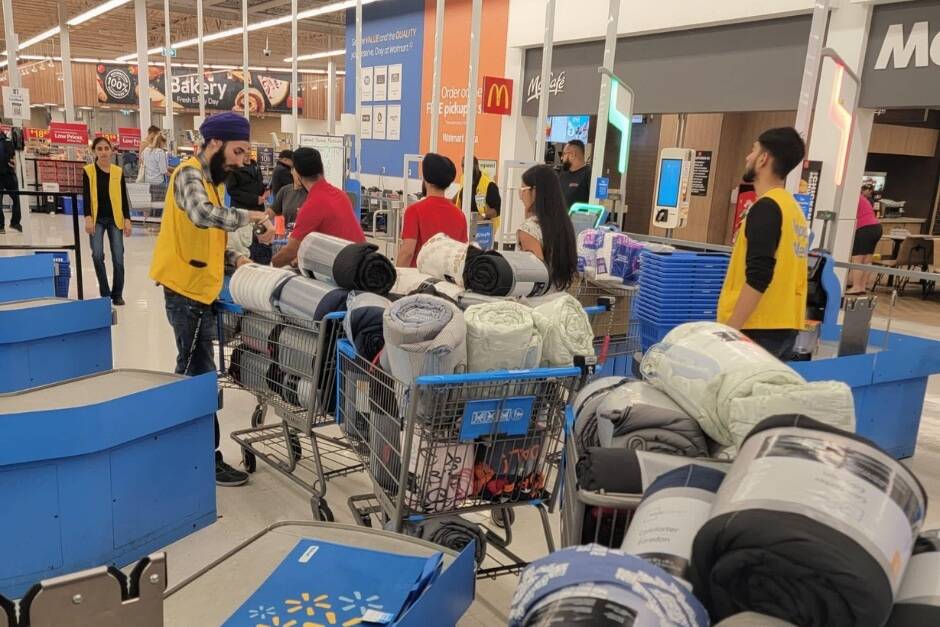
{"type": "Point", "coordinates": [902, 62]}
{"type": "Point", "coordinates": [497, 95]}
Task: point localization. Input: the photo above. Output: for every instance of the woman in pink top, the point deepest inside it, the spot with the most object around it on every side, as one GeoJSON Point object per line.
{"type": "Point", "coordinates": [867, 234]}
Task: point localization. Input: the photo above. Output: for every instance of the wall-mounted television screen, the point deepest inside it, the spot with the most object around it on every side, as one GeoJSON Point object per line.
{"type": "Point", "coordinates": [564, 128]}
{"type": "Point", "coordinates": [877, 179]}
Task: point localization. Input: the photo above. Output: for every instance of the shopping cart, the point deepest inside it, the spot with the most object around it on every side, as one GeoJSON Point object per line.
{"type": "Point", "coordinates": [289, 364]}
{"type": "Point", "coordinates": [457, 444]}
{"type": "Point", "coordinates": [616, 334]}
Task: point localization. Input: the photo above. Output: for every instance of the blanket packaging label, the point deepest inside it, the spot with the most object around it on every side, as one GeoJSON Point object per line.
{"type": "Point", "coordinates": [653, 465]}
{"type": "Point", "coordinates": [320, 583]}
{"type": "Point", "coordinates": [921, 580]}
{"type": "Point", "coordinates": [821, 477]}
{"type": "Point", "coordinates": [664, 527]}
{"type": "Point", "coordinates": [506, 417]}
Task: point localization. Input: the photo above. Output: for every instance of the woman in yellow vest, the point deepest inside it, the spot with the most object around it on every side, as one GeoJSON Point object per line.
{"type": "Point", "coordinates": [764, 294]}
{"type": "Point", "coordinates": [485, 200]}
{"type": "Point", "coordinates": [106, 211]}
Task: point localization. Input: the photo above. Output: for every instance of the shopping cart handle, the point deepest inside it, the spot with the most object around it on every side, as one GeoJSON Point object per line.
{"type": "Point", "coordinates": [596, 310]}
{"type": "Point", "coordinates": [230, 307]}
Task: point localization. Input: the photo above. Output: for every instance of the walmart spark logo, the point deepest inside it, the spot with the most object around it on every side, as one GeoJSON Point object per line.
{"type": "Point", "coordinates": [364, 604]}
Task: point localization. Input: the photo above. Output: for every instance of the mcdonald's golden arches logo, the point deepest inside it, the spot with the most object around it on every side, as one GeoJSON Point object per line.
{"type": "Point", "coordinates": [497, 95]}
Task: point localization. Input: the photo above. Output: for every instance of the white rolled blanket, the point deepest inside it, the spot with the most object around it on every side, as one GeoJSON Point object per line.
{"type": "Point", "coordinates": [424, 335]}
{"type": "Point", "coordinates": [566, 331]}
{"type": "Point", "coordinates": [729, 384]}
{"type": "Point", "coordinates": [254, 286]}
{"type": "Point", "coordinates": [502, 336]}
{"type": "Point", "coordinates": [443, 258]}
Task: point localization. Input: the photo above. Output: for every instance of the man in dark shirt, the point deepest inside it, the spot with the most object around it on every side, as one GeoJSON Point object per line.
{"type": "Point", "coordinates": [9, 182]}
{"type": "Point", "coordinates": [246, 189]}
{"type": "Point", "coordinates": [575, 174]}
{"type": "Point", "coordinates": [282, 176]}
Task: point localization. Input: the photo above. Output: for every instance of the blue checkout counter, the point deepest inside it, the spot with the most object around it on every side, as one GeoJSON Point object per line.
{"type": "Point", "coordinates": [44, 340]}
{"type": "Point", "coordinates": [103, 470]}
{"type": "Point", "coordinates": [26, 276]}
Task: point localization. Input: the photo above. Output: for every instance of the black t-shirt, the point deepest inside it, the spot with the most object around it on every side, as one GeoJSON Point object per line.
{"type": "Point", "coordinates": [105, 210]}
{"type": "Point", "coordinates": [576, 185]}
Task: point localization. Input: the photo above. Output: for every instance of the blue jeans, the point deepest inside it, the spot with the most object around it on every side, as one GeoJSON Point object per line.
{"type": "Point", "coordinates": [194, 326]}
{"type": "Point", "coordinates": [116, 239]}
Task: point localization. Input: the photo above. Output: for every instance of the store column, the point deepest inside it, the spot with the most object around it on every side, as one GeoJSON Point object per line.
{"type": "Point", "coordinates": [848, 36]}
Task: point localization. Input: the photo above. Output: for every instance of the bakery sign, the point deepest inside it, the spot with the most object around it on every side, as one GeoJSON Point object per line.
{"type": "Point", "coordinates": [224, 90]}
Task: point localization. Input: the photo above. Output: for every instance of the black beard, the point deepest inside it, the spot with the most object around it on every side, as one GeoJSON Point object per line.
{"type": "Point", "coordinates": [217, 168]}
{"type": "Point", "coordinates": [750, 175]}
{"type": "Point", "coordinates": [566, 166]}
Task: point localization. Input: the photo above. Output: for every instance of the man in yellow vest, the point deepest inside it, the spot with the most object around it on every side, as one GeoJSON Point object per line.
{"type": "Point", "coordinates": [764, 294]}
{"type": "Point", "coordinates": [189, 256]}
{"type": "Point", "coordinates": [485, 200]}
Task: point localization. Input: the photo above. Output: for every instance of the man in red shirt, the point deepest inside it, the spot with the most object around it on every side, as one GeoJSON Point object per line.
{"type": "Point", "coordinates": [435, 214]}
{"type": "Point", "coordinates": [327, 209]}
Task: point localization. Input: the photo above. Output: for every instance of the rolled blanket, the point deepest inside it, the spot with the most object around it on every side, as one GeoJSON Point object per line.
{"type": "Point", "coordinates": [619, 589]}
{"type": "Point", "coordinates": [673, 509]}
{"type": "Point", "coordinates": [585, 407]}
{"type": "Point", "coordinates": [260, 334]}
{"type": "Point", "coordinates": [408, 280]}
{"type": "Point", "coordinates": [709, 369]}
{"type": "Point", "coordinates": [297, 351]}
{"type": "Point", "coordinates": [636, 415]}
{"type": "Point", "coordinates": [625, 471]}
{"type": "Point", "coordinates": [451, 532]}
{"type": "Point", "coordinates": [918, 601]}
{"type": "Point", "coordinates": [811, 525]}
{"type": "Point", "coordinates": [502, 336]}
{"type": "Point", "coordinates": [363, 323]}
{"type": "Point", "coordinates": [351, 266]}
{"type": "Point", "coordinates": [254, 286]}
{"type": "Point", "coordinates": [467, 299]}
{"type": "Point", "coordinates": [566, 331]}
{"type": "Point", "coordinates": [507, 273]}
{"type": "Point", "coordinates": [249, 369]}
{"type": "Point", "coordinates": [444, 258]}
{"type": "Point", "coordinates": [297, 391]}
{"type": "Point", "coordinates": [310, 299]}
{"type": "Point", "coordinates": [424, 335]}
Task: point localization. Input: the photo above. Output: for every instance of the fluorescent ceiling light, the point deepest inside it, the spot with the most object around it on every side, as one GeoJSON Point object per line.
{"type": "Point", "coordinates": [277, 21]}
{"type": "Point", "coordinates": [101, 9]}
{"type": "Point", "coordinates": [207, 66]}
{"type": "Point", "coordinates": [317, 55]}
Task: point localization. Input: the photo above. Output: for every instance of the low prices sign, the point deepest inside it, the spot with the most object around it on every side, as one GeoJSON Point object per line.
{"type": "Point", "coordinates": [128, 138]}
{"type": "Point", "coordinates": [111, 137]}
{"type": "Point", "coordinates": [75, 134]}
{"type": "Point", "coordinates": [497, 95]}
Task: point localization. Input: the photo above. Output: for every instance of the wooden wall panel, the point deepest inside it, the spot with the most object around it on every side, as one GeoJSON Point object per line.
{"type": "Point", "coordinates": [893, 139]}
{"type": "Point", "coordinates": [641, 175]}
{"type": "Point", "coordinates": [702, 132]}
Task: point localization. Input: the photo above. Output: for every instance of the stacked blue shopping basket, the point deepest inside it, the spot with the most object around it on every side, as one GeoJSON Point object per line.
{"type": "Point", "coordinates": [63, 271]}
{"type": "Point", "coordinates": [676, 288]}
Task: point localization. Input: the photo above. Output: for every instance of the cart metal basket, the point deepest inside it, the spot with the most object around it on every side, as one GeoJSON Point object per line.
{"type": "Point", "coordinates": [289, 364]}
{"type": "Point", "coordinates": [616, 334]}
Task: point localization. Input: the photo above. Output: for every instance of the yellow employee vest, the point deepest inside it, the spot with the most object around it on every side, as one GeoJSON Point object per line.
{"type": "Point", "coordinates": [187, 259]}
{"type": "Point", "coordinates": [783, 305]}
{"type": "Point", "coordinates": [480, 195]}
{"type": "Point", "coordinates": [114, 192]}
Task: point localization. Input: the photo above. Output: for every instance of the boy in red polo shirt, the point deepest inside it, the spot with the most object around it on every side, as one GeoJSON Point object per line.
{"type": "Point", "coordinates": [435, 214]}
{"type": "Point", "coordinates": [327, 209]}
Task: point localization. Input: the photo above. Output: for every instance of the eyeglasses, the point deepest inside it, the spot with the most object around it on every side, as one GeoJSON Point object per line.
{"type": "Point", "coordinates": [524, 188]}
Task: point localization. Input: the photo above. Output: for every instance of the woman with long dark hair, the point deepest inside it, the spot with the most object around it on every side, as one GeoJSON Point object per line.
{"type": "Point", "coordinates": [107, 210]}
{"type": "Point", "coordinates": [547, 231]}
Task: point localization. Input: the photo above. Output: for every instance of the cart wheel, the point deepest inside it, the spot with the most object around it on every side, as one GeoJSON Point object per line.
{"type": "Point", "coordinates": [503, 515]}
{"type": "Point", "coordinates": [257, 416]}
{"type": "Point", "coordinates": [321, 511]}
{"type": "Point", "coordinates": [295, 446]}
{"type": "Point", "coordinates": [249, 461]}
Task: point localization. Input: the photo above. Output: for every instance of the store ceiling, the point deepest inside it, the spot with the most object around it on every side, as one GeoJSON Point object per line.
{"type": "Point", "coordinates": [113, 34]}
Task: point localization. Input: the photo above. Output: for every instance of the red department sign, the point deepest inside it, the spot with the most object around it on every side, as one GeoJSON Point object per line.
{"type": "Point", "coordinates": [497, 95]}
{"type": "Point", "coordinates": [63, 133]}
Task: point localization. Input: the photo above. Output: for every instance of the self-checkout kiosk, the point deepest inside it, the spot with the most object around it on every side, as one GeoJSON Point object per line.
{"type": "Point", "coordinates": [673, 188]}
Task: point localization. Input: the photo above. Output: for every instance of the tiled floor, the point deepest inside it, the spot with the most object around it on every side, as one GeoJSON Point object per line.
{"type": "Point", "coordinates": [142, 339]}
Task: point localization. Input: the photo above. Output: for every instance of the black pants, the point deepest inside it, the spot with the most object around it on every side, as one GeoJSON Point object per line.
{"type": "Point", "coordinates": [194, 326]}
{"type": "Point", "coordinates": [8, 182]}
{"type": "Point", "coordinates": [777, 342]}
